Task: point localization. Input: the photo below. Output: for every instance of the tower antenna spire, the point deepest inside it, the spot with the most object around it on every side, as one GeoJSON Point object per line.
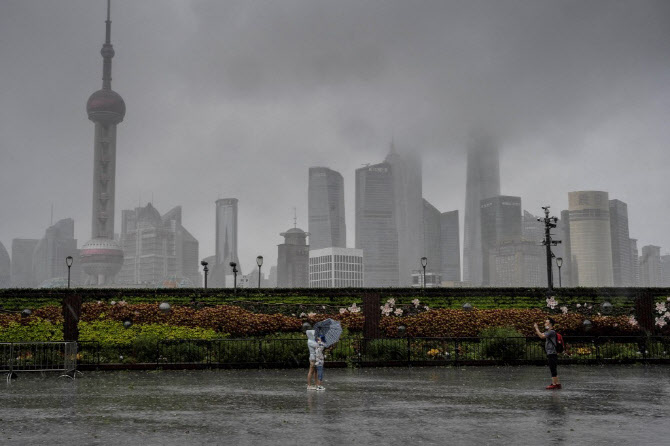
{"type": "Point", "coordinates": [107, 52]}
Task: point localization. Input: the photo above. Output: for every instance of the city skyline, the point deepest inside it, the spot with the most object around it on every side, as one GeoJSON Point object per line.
{"type": "Point", "coordinates": [156, 155]}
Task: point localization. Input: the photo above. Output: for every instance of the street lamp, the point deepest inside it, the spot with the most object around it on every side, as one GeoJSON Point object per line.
{"type": "Point", "coordinates": [233, 265]}
{"type": "Point", "coordinates": [68, 262]}
{"type": "Point", "coordinates": [424, 262]}
{"type": "Point", "coordinates": [559, 263]}
{"type": "Point", "coordinates": [205, 270]}
{"type": "Point", "coordinates": [259, 262]}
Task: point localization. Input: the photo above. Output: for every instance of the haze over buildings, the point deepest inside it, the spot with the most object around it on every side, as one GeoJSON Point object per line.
{"type": "Point", "coordinates": [573, 95]}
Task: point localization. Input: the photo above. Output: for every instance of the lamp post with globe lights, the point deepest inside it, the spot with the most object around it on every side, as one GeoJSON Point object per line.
{"type": "Point", "coordinates": [68, 262]}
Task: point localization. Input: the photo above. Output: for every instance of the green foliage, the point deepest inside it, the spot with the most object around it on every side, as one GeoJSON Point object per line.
{"type": "Point", "coordinates": [35, 330]}
{"type": "Point", "coordinates": [502, 343]}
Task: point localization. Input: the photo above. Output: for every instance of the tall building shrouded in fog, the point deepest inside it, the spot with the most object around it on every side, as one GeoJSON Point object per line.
{"type": "Point", "coordinates": [102, 256]}
{"type": "Point", "coordinates": [293, 260]}
{"type": "Point", "coordinates": [650, 267]}
{"type": "Point", "coordinates": [22, 263]}
{"type": "Point", "coordinates": [50, 253]}
{"type": "Point", "coordinates": [5, 267]}
{"type": "Point", "coordinates": [450, 244]}
{"type": "Point", "coordinates": [483, 181]}
{"type": "Point", "coordinates": [407, 180]}
{"type": "Point", "coordinates": [158, 250]}
{"type": "Point", "coordinates": [635, 258]}
{"type": "Point", "coordinates": [432, 234]}
{"type": "Point", "coordinates": [376, 232]}
{"type": "Point", "coordinates": [327, 226]}
{"type": "Point", "coordinates": [590, 238]}
{"type": "Point", "coordinates": [500, 222]}
{"type": "Point", "coordinates": [226, 242]}
{"type": "Point", "coordinates": [622, 262]}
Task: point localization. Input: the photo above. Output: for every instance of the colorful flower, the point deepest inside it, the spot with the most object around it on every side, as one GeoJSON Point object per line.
{"type": "Point", "coordinates": [398, 312]}
{"type": "Point", "coordinates": [564, 309]}
{"type": "Point", "coordinates": [660, 307]}
{"type": "Point", "coordinates": [416, 302]}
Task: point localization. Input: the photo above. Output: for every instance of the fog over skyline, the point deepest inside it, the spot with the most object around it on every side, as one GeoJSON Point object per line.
{"type": "Point", "coordinates": [239, 98]}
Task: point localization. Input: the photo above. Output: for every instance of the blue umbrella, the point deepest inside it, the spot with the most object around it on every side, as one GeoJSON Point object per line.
{"type": "Point", "coordinates": [329, 329]}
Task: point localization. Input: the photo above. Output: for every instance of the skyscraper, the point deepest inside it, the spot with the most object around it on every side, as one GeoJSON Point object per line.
{"type": "Point", "coordinates": [226, 241]}
{"type": "Point", "coordinates": [622, 262]}
{"type": "Point", "coordinates": [50, 253]}
{"type": "Point", "coordinates": [635, 259]}
{"type": "Point", "coordinates": [567, 272]}
{"type": "Point", "coordinates": [500, 223]}
{"type": "Point", "coordinates": [483, 181]}
{"type": "Point", "coordinates": [665, 271]}
{"type": "Point", "coordinates": [432, 245]}
{"type": "Point", "coordinates": [293, 260]}
{"type": "Point", "coordinates": [450, 246]}
{"type": "Point", "coordinates": [102, 256]}
{"type": "Point", "coordinates": [5, 267]}
{"type": "Point", "coordinates": [408, 198]}
{"type": "Point", "coordinates": [590, 238]}
{"type": "Point", "coordinates": [650, 266]}
{"type": "Point", "coordinates": [22, 263]}
{"type": "Point", "coordinates": [157, 248]}
{"type": "Point", "coordinates": [376, 232]}
{"type": "Point", "coordinates": [327, 226]}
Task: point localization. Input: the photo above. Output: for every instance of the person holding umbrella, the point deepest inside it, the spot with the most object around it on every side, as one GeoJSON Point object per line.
{"type": "Point", "coordinates": [311, 347]}
{"type": "Point", "coordinates": [320, 346]}
{"type": "Point", "coordinates": [328, 332]}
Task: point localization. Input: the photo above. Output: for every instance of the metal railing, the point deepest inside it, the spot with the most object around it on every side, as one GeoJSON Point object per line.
{"type": "Point", "coordinates": [410, 351]}
{"type": "Point", "coordinates": [38, 357]}
{"type": "Point", "coordinates": [356, 351]}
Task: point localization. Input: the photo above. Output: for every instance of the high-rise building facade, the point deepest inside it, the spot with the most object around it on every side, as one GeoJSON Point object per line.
{"type": "Point", "coordinates": [226, 240]}
{"type": "Point", "coordinates": [432, 243]}
{"type": "Point", "coordinates": [102, 256]}
{"type": "Point", "coordinates": [517, 264]}
{"type": "Point", "coordinates": [157, 249]}
{"type": "Point", "coordinates": [483, 181]}
{"type": "Point", "coordinates": [590, 238]}
{"type": "Point", "coordinates": [5, 267]}
{"type": "Point", "coordinates": [567, 271]}
{"type": "Point", "coordinates": [327, 226]}
{"type": "Point", "coordinates": [336, 268]}
{"type": "Point", "coordinates": [22, 263]}
{"type": "Point", "coordinates": [622, 262]}
{"type": "Point", "coordinates": [293, 260]}
{"type": "Point", "coordinates": [407, 181]}
{"type": "Point", "coordinates": [376, 232]}
{"type": "Point", "coordinates": [635, 260]}
{"type": "Point", "coordinates": [500, 223]}
{"type": "Point", "coordinates": [665, 271]}
{"type": "Point", "coordinates": [50, 253]}
{"type": "Point", "coordinates": [450, 246]}
{"type": "Point", "coordinates": [651, 271]}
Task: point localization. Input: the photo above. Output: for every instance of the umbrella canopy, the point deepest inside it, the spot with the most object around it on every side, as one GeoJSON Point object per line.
{"type": "Point", "coordinates": [329, 329]}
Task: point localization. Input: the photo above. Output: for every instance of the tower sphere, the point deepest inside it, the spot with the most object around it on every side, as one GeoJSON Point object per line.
{"type": "Point", "coordinates": [106, 106]}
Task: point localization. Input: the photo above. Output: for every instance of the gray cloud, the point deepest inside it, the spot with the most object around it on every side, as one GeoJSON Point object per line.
{"type": "Point", "coordinates": [239, 98]}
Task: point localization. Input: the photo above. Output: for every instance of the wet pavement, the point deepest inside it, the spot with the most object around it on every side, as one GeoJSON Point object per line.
{"type": "Point", "coordinates": [398, 406]}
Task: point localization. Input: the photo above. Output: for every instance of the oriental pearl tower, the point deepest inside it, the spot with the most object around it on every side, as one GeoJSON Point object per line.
{"type": "Point", "coordinates": [102, 256]}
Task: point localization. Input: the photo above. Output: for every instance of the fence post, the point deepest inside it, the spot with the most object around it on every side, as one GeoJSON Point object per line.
{"type": "Point", "coordinates": [158, 353]}
{"type": "Point", "coordinates": [596, 342]}
{"type": "Point", "coordinates": [260, 352]}
{"type": "Point", "coordinates": [455, 351]}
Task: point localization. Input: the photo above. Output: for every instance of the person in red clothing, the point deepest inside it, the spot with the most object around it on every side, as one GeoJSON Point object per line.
{"type": "Point", "coordinates": [551, 339]}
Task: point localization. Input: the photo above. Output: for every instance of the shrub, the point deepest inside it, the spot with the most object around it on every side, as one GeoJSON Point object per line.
{"type": "Point", "coordinates": [503, 343]}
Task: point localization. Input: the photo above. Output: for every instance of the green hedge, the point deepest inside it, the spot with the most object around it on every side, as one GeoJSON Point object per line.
{"type": "Point", "coordinates": [484, 298]}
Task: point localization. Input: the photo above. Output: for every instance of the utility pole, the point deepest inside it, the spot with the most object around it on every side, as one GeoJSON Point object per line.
{"type": "Point", "coordinates": [549, 224]}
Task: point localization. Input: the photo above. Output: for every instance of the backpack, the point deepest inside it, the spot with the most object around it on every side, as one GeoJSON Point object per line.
{"type": "Point", "coordinates": [560, 344]}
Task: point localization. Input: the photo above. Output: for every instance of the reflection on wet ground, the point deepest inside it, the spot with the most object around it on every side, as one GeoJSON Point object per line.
{"type": "Point", "coordinates": [483, 405]}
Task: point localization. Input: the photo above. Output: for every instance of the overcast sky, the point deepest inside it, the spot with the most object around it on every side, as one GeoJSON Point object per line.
{"type": "Point", "coordinates": [239, 98]}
